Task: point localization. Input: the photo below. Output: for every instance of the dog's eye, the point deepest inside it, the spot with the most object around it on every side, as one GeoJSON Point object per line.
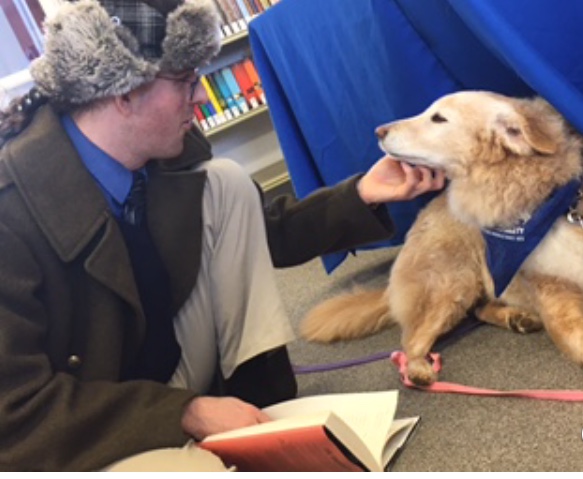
{"type": "Point", "coordinates": [437, 118]}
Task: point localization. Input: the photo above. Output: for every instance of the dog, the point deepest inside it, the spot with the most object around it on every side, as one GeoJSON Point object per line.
{"type": "Point", "coordinates": [504, 157]}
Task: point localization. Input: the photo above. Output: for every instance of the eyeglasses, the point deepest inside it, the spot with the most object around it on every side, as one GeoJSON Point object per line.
{"type": "Point", "coordinates": [192, 83]}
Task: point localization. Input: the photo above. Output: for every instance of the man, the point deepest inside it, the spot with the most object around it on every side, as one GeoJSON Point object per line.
{"type": "Point", "coordinates": [128, 326]}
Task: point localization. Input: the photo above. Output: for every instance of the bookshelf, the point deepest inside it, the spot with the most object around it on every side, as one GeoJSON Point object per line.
{"type": "Point", "coordinates": [247, 135]}
{"type": "Point", "coordinates": [235, 121]}
{"type": "Point", "coordinates": [235, 37]}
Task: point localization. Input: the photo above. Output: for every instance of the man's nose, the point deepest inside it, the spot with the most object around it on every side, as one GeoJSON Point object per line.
{"type": "Point", "coordinates": [200, 94]}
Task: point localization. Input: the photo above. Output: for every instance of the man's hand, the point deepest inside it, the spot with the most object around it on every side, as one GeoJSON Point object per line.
{"type": "Point", "coordinates": [208, 415]}
{"type": "Point", "coordinates": [392, 180]}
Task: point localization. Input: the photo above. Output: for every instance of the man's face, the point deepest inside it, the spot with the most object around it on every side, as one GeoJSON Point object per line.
{"type": "Point", "coordinates": [163, 112]}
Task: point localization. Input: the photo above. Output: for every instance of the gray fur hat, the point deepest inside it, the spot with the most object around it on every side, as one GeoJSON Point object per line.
{"type": "Point", "coordinates": [99, 49]}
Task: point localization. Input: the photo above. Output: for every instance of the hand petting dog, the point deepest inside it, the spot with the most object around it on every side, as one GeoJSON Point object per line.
{"type": "Point", "coordinates": [392, 180]}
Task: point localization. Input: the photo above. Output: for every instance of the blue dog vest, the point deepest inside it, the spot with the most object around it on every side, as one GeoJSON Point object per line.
{"type": "Point", "coordinates": [507, 249]}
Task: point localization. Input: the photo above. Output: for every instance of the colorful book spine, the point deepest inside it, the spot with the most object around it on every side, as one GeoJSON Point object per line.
{"type": "Point", "coordinates": [208, 114]}
{"type": "Point", "coordinates": [214, 113]}
{"type": "Point", "coordinates": [265, 4]}
{"type": "Point", "coordinates": [252, 72]}
{"type": "Point", "coordinates": [239, 18]}
{"type": "Point", "coordinates": [235, 89]}
{"type": "Point", "coordinates": [250, 8]}
{"type": "Point", "coordinates": [244, 11]}
{"type": "Point", "coordinates": [225, 28]}
{"type": "Point", "coordinates": [222, 101]}
{"type": "Point", "coordinates": [201, 119]}
{"type": "Point", "coordinates": [246, 85]}
{"type": "Point", "coordinates": [256, 6]}
{"type": "Point", "coordinates": [220, 115]}
{"type": "Point", "coordinates": [226, 94]}
{"type": "Point", "coordinates": [232, 25]}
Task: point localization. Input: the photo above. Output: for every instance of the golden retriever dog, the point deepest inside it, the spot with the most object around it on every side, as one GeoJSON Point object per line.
{"type": "Point", "coordinates": [504, 158]}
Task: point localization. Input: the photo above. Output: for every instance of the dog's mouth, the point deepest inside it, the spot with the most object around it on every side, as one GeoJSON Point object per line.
{"type": "Point", "coordinates": [410, 159]}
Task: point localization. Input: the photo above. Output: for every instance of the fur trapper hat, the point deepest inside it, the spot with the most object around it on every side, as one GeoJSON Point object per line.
{"type": "Point", "coordinates": [99, 49]}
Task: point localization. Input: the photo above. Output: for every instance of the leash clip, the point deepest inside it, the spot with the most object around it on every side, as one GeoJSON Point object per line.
{"type": "Point", "coordinates": [574, 217]}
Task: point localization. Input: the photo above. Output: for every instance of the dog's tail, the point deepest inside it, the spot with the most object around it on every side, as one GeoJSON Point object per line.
{"type": "Point", "coordinates": [348, 316]}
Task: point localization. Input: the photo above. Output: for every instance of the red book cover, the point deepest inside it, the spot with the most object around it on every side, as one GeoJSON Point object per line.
{"type": "Point", "coordinates": [246, 85]}
{"type": "Point", "coordinates": [302, 449]}
{"type": "Point", "coordinates": [200, 117]}
{"type": "Point", "coordinates": [252, 72]}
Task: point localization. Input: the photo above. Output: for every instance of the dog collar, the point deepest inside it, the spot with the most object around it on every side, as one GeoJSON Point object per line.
{"type": "Point", "coordinates": [507, 249]}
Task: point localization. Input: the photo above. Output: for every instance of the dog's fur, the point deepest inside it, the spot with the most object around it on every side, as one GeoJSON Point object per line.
{"type": "Point", "coordinates": [503, 157]}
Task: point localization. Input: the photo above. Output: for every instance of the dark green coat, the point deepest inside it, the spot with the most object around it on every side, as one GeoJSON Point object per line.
{"type": "Point", "coordinates": [70, 319]}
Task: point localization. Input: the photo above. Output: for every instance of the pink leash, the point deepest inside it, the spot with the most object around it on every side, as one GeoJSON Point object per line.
{"type": "Point", "coordinates": [400, 360]}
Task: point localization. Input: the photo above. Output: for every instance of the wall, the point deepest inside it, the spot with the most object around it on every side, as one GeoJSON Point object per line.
{"type": "Point", "coordinates": [252, 143]}
{"type": "Point", "coordinates": [12, 58]}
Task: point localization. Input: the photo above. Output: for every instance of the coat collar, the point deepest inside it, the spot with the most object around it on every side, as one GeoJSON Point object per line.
{"type": "Point", "coordinates": [72, 212]}
{"type": "Point", "coordinates": [58, 189]}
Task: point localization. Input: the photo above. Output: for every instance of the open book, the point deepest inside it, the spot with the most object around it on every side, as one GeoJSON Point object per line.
{"type": "Point", "coordinates": [333, 432]}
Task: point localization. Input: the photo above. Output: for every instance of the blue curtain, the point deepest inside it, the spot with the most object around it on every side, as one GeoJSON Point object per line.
{"type": "Point", "coordinates": [333, 70]}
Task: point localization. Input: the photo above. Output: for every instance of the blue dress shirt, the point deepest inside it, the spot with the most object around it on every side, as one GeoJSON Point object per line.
{"type": "Point", "coordinates": [114, 179]}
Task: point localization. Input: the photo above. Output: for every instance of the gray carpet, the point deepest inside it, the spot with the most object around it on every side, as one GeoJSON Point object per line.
{"type": "Point", "coordinates": [456, 432]}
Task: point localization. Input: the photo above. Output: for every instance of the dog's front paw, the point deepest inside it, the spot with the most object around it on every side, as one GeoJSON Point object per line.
{"type": "Point", "coordinates": [523, 322]}
{"type": "Point", "coordinates": [420, 372]}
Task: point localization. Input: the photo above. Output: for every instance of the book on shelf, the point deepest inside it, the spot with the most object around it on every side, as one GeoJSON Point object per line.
{"type": "Point", "coordinates": [221, 117]}
{"type": "Point", "coordinates": [236, 14]}
{"type": "Point", "coordinates": [257, 6]}
{"type": "Point", "coordinates": [226, 93]}
{"type": "Point", "coordinates": [223, 18]}
{"type": "Point", "coordinates": [239, 17]}
{"type": "Point", "coordinates": [208, 113]}
{"type": "Point", "coordinates": [210, 85]}
{"type": "Point", "coordinates": [200, 118]}
{"type": "Point", "coordinates": [250, 8]}
{"type": "Point", "coordinates": [231, 16]}
{"type": "Point", "coordinates": [235, 89]}
{"type": "Point", "coordinates": [254, 76]}
{"type": "Point", "coordinates": [245, 13]}
{"type": "Point", "coordinates": [265, 4]}
{"type": "Point", "coordinates": [246, 85]}
{"type": "Point", "coordinates": [333, 432]}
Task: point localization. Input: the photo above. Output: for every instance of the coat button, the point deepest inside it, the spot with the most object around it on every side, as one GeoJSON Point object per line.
{"type": "Point", "coordinates": [74, 361]}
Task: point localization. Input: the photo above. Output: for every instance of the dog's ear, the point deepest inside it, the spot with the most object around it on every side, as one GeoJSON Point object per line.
{"type": "Point", "coordinates": [522, 133]}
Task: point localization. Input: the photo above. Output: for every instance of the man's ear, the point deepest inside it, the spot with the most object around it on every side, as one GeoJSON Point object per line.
{"type": "Point", "coordinates": [523, 134]}
{"type": "Point", "coordinates": [123, 103]}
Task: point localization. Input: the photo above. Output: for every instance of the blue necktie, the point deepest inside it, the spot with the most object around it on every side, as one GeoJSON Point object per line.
{"type": "Point", "coordinates": [134, 209]}
{"type": "Point", "coordinates": [160, 350]}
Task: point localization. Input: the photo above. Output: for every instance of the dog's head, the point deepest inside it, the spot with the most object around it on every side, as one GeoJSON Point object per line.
{"type": "Point", "coordinates": [504, 156]}
{"type": "Point", "coordinates": [463, 128]}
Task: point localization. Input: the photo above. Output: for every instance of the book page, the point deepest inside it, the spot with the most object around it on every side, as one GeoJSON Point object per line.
{"type": "Point", "coordinates": [369, 414]}
{"type": "Point", "coordinates": [400, 431]}
{"type": "Point", "coordinates": [318, 418]}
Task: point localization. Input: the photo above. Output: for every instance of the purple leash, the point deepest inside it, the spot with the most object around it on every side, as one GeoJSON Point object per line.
{"type": "Point", "coordinates": [318, 368]}
{"type": "Point", "coordinates": [467, 325]}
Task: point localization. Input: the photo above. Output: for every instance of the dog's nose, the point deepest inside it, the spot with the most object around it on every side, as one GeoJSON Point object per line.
{"type": "Point", "coordinates": [382, 132]}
